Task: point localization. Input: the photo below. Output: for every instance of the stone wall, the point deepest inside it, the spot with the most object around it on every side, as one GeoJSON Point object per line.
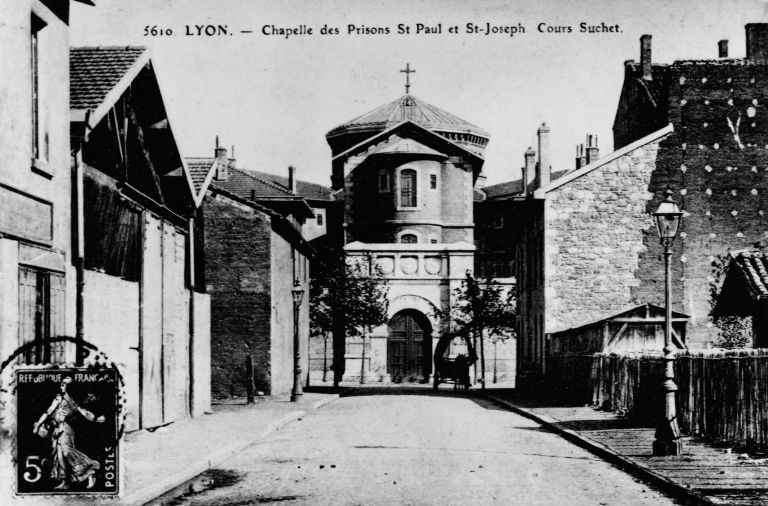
{"type": "Point", "coordinates": [373, 212]}
{"type": "Point", "coordinates": [595, 231]}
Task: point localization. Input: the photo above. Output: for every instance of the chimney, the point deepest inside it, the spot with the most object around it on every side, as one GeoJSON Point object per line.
{"type": "Point", "coordinates": [722, 49]}
{"type": "Point", "coordinates": [592, 150]}
{"type": "Point", "coordinates": [222, 162]}
{"type": "Point", "coordinates": [292, 179]}
{"type": "Point", "coordinates": [645, 56]}
{"type": "Point", "coordinates": [529, 169]}
{"type": "Point", "coordinates": [581, 158]}
{"type": "Point", "coordinates": [544, 168]}
{"type": "Point", "coordinates": [757, 41]}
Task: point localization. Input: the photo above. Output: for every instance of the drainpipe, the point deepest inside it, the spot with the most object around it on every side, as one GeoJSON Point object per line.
{"type": "Point", "coordinates": [192, 316]}
{"type": "Point", "coordinates": [79, 209]}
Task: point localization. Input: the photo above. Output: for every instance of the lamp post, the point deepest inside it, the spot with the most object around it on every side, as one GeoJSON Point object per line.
{"type": "Point", "coordinates": [495, 377]}
{"type": "Point", "coordinates": [325, 357]}
{"type": "Point", "coordinates": [667, 218]}
{"type": "Point", "coordinates": [298, 293]}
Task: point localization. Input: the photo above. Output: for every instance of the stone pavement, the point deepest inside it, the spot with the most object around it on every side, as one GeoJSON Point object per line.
{"type": "Point", "coordinates": [155, 463]}
{"type": "Point", "coordinates": [702, 475]}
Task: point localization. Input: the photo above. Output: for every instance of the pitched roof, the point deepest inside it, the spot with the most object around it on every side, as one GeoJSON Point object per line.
{"type": "Point", "coordinates": [744, 286]}
{"type": "Point", "coordinates": [420, 131]}
{"type": "Point", "coordinates": [199, 168]}
{"type": "Point", "coordinates": [541, 193]}
{"type": "Point", "coordinates": [95, 71]}
{"type": "Point", "coordinates": [249, 187]}
{"type": "Point", "coordinates": [753, 268]}
{"type": "Point", "coordinates": [246, 185]}
{"type": "Point", "coordinates": [99, 76]}
{"type": "Point", "coordinates": [407, 108]}
{"type": "Point", "coordinates": [512, 188]}
{"type": "Point", "coordinates": [640, 311]}
{"type": "Point", "coordinates": [305, 189]}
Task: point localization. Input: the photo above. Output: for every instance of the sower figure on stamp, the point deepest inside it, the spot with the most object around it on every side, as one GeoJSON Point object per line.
{"type": "Point", "coordinates": [69, 464]}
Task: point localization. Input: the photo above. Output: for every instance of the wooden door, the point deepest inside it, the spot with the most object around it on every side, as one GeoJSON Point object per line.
{"type": "Point", "coordinates": [408, 337]}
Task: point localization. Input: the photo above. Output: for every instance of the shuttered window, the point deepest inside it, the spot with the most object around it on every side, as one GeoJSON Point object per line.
{"type": "Point", "coordinates": [408, 188]}
{"type": "Point", "coordinates": [42, 310]}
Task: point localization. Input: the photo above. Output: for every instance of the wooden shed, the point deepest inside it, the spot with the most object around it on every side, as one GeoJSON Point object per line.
{"type": "Point", "coordinates": [637, 328]}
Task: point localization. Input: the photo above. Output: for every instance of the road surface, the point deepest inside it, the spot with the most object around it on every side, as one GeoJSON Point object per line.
{"type": "Point", "coordinates": [418, 450]}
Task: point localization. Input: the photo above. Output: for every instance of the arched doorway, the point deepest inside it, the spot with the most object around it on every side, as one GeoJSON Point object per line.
{"type": "Point", "coordinates": [409, 346]}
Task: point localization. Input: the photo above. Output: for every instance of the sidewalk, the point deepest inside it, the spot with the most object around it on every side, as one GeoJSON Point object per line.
{"type": "Point", "coordinates": [702, 475]}
{"type": "Point", "coordinates": [157, 462]}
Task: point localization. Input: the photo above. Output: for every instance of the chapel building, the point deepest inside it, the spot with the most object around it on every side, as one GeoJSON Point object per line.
{"type": "Point", "coordinates": [406, 173]}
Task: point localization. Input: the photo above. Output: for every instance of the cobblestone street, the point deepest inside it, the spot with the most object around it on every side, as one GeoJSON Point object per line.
{"type": "Point", "coordinates": [418, 449]}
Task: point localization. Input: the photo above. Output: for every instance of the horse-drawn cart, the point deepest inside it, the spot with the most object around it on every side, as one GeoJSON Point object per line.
{"type": "Point", "coordinates": [453, 370]}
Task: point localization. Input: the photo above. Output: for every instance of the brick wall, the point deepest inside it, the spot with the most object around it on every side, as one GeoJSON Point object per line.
{"type": "Point", "coordinates": [720, 182]}
{"type": "Point", "coordinates": [237, 242]}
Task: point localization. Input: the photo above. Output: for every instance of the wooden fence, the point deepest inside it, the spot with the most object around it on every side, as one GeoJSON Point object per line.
{"type": "Point", "coordinates": [722, 395]}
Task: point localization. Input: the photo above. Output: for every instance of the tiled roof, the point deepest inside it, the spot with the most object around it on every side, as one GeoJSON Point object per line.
{"type": "Point", "coordinates": [408, 108]}
{"type": "Point", "coordinates": [245, 185]}
{"type": "Point", "coordinates": [304, 189]}
{"type": "Point", "coordinates": [95, 71]}
{"type": "Point", "coordinates": [753, 267]}
{"type": "Point", "coordinates": [199, 168]}
{"type": "Point", "coordinates": [511, 188]}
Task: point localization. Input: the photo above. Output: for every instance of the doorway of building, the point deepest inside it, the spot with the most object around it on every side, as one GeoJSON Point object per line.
{"type": "Point", "coordinates": [409, 347]}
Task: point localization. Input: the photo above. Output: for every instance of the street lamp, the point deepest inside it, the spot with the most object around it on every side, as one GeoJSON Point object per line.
{"type": "Point", "coordinates": [298, 294]}
{"type": "Point", "coordinates": [667, 442]}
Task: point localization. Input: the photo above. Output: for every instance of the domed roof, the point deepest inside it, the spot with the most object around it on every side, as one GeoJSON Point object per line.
{"type": "Point", "coordinates": [408, 108]}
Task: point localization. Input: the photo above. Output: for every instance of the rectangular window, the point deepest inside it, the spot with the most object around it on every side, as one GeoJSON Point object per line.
{"type": "Point", "coordinates": [319, 220]}
{"type": "Point", "coordinates": [408, 188]}
{"type": "Point", "coordinates": [433, 181]}
{"type": "Point", "coordinates": [36, 25]}
{"type": "Point", "coordinates": [383, 182]}
{"type": "Point", "coordinates": [42, 309]}
{"type": "Point", "coordinates": [498, 221]}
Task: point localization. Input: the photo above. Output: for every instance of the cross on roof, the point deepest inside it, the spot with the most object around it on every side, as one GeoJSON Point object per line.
{"type": "Point", "coordinates": [408, 73]}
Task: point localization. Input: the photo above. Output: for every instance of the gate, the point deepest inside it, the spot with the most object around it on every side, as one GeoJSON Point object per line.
{"type": "Point", "coordinates": [409, 334]}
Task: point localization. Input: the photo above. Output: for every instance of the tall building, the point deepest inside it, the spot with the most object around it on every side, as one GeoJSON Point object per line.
{"type": "Point", "coordinates": [715, 162]}
{"type": "Point", "coordinates": [406, 173]}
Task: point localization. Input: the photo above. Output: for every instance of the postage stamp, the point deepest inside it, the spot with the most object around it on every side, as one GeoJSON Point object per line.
{"type": "Point", "coordinates": [67, 432]}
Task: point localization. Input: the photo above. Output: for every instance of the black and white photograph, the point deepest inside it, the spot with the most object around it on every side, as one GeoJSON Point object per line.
{"type": "Point", "coordinates": [68, 437]}
{"type": "Point", "coordinates": [384, 252]}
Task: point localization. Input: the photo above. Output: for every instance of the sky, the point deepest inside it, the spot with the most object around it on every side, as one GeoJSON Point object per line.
{"type": "Point", "coordinates": [274, 97]}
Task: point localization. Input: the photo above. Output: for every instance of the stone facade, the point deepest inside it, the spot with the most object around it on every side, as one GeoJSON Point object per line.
{"type": "Point", "coordinates": [35, 176]}
{"type": "Point", "coordinates": [595, 229]}
{"type": "Point", "coordinates": [408, 206]}
{"type": "Point", "coordinates": [582, 241]}
{"type": "Point", "coordinates": [35, 194]}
